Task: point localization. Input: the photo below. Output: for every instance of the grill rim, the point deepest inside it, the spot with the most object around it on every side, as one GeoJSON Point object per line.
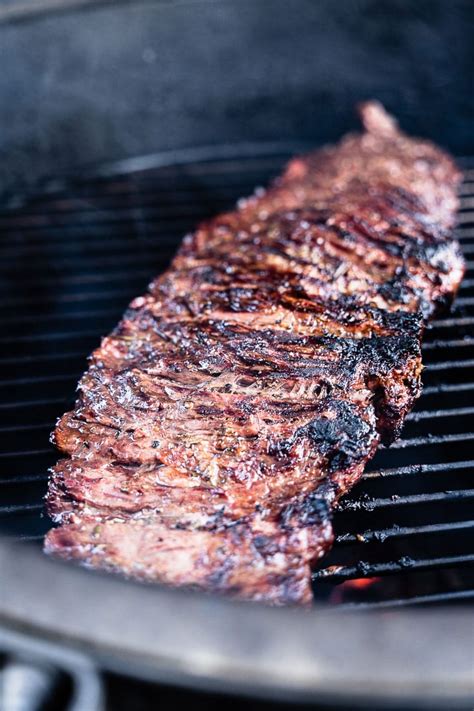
{"type": "Point", "coordinates": [178, 157]}
{"type": "Point", "coordinates": [21, 608]}
{"type": "Point", "coordinates": [194, 640]}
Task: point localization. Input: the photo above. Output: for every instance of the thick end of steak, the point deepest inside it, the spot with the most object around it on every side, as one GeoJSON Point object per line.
{"type": "Point", "coordinates": [254, 558]}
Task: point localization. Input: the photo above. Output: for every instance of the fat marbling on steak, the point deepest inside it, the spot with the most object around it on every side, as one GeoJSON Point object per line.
{"type": "Point", "coordinates": [239, 398]}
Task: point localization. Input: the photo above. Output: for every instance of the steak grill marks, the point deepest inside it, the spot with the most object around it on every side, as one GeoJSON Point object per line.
{"type": "Point", "coordinates": [243, 394]}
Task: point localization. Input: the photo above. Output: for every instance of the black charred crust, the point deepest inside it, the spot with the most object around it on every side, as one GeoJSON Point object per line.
{"type": "Point", "coordinates": [383, 353]}
{"type": "Point", "coordinates": [443, 304]}
{"type": "Point", "coordinates": [208, 411]}
{"type": "Point", "coordinates": [217, 578]}
{"type": "Point", "coordinates": [265, 545]}
{"type": "Point", "coordinates": [314, 509]}
{"type": "Point", "coordinates": [390, 422]}
{"type": "Point", "coordinates": [345, 439]}
{"type": "Point", "coordinates": [405, 322]}
{"type": "Point", "coordinates": [339, 433]}
{"type": "Point", "coordinates": [395, 290]}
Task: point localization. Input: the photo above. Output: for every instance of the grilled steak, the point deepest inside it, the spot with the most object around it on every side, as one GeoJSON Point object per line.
{"type": "Point", "coordinates": [241, 396]}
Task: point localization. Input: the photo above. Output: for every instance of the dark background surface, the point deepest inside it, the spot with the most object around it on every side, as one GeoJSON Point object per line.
{"type": "Point", "coordinates": [104, 81]}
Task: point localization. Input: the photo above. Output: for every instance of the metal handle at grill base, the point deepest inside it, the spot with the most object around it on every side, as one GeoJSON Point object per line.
{"type": "Point", "coordinates": [29, 678]}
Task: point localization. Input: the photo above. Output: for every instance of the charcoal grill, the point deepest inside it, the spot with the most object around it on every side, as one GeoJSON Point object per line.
{"type": "Point", "coordinates": [73, 255]}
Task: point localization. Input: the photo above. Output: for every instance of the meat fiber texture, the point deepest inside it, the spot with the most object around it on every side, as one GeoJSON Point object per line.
{"type": "Point", "coordinates": [243, 394]}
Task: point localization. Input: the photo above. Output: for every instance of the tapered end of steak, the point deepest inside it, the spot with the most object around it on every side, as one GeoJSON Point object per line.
{"type": "Point", "coordinates": [241, 396]}
{"type": "Point", "coordinates": [377, 121]}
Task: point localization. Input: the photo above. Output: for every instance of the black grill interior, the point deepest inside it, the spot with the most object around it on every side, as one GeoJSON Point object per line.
{"type": "Point", "coordinates": [73, 256]}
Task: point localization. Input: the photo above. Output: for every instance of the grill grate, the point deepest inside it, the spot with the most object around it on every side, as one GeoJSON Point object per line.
{"type": "Point", "coordinates": [74, 255]}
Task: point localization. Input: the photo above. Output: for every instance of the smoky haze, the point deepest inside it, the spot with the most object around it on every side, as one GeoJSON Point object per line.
{"type": "Point", "coordinates": [109, 81]}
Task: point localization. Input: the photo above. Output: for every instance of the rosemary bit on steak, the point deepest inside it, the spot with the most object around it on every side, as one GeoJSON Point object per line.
{"type": "Point", "coordinates": [239, 398]}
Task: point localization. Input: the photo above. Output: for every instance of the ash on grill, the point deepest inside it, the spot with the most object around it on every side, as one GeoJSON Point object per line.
{"type": "Point", "coordinates": [75, 255]}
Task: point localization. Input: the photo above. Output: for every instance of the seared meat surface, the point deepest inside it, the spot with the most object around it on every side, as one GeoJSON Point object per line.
{"type": "Point", "coordinates": [241, 396]}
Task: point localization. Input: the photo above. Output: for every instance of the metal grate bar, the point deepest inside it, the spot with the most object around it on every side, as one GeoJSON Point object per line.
{"type": "Point", "coordinates": [466, 218]}
{"type": "Point", "coordinates": [26, 428]}
{"type": "Point", "coordinates": [433, 598]}
{"type": "Point", "coordinates": [76, 252]}
{"type": "Point", "coordinates": [418, 469]}
{"type": "Point", "coordinates": [60, 336]}
{"type": "Point", "coordinates": [143, 232]}
{"type": "Point", "coordinates": [42, 357]}
{"type": "Point", "coordinates": [33, 403]}
{"type": "Point", "coordinates": [44, 250]}
{"type": "Point", "coordinates": [40, 379]}
{"type": "Point", "coordinates": [31, 539]}
{"type": "Point", "coordinates": [109, 260]}
{"type": "Point", "coordinates": [45, 318]}
{"type": "Point", "coordinates": [398, 532]}
{"type": "Point", "coordinates": [25, 453]}
{"type": "Point", "coordinates": [87, 278]}
{"type": "Point", "coordinates": [466, 189]}
{"type": "Point", "coordinates": [429, 414]}
{"type": "Point", "coordinates": [447, 388]}
{"type": "Point", "coordinates": [23, 479]}
{"type": "Point", "coordinates": [187, 201]}
{"type": "Point", "coordinates": [366, 503]}
{"type": "Point", "coordinates": [20, 509]}
{"type": "Point", "coordinates": [467, 249]}
{"type": "Point", "coordinates": [450, 364]}
{"type": "Point", "coordinates": [339, 573]}
{"type": "Point", "coordinates": [464, 235]}
{"type": "Point", "coordinates": [89, 296]}
{"type": "Point", "coordinates": [450, 343]}
{"type": "Point", "coordinates": [119, 214]}
{"type": "Point", "coordinates": [453, 322]}
{"type": "Point", "coordinates": [432, 439]}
